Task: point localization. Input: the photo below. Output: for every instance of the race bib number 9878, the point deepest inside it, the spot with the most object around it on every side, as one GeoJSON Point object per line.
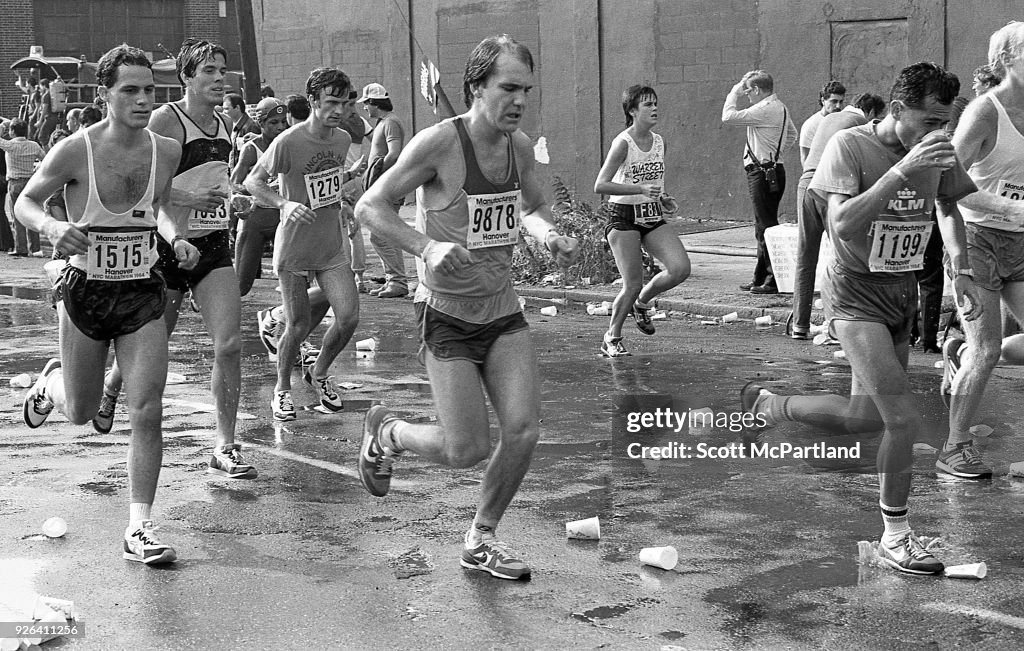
{"type": "Point", "coordinates": [899, 246]}
{"type": "Point", "coordinates": [493, 220]}
{"type": "Point", "coordinates": [119, 254]}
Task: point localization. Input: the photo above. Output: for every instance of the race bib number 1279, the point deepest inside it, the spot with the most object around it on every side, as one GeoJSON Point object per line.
{"type": "Point", "coordinates": [323, 188]}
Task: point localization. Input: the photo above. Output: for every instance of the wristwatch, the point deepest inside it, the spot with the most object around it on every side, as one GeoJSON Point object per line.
{"type": "Point", "coordinates": [967, 271]}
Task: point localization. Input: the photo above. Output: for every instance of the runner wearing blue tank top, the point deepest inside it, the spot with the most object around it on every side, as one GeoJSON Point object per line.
{"type": "Point", "coordinates": [475, 189]}
{"type": "Point", "coordinates": [117, 180]}
{"type": "Point", "coordinates": [199, 202]}
{"type": "Point", "coordinates": [634, 175]}
{"type": "Point", "coordinates": [989, 139]}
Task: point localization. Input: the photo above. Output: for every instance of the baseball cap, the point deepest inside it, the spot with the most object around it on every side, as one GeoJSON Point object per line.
{"type": "Point", "coordinates": [373, 91]}
{"type": "Point", "coordinates": [270, 106]}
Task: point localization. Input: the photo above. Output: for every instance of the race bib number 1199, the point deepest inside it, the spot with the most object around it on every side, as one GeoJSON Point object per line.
{"type": "Point", "coordinates": [899, 246]}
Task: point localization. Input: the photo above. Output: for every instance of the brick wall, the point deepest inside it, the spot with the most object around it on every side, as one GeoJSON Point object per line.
{"type": "Point", "coordinates": [15, 41]}
{"type": "Point", "coordinates": [202, 20]}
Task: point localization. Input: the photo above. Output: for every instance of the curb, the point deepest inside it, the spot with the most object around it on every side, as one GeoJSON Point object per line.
{"type": "Point", "coordinates": [778, 314]}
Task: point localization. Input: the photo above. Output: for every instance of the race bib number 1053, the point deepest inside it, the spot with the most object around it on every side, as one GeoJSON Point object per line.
{"type": "Point", "coordinates": [493, 220]}
{"type": "Point", "coordinates": [119, 254]}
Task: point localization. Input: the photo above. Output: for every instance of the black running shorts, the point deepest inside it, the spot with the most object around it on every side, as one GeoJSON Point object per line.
{"type": "Point", "coordinates": [449, 338]}
{"type": "Point", "coordinates": [104, 309]}
{"type": "Point", "coordinates": [214, 253]}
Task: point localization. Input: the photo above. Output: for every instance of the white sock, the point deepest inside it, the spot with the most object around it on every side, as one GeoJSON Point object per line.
{"type": "Point", "coordinates": [896, 523]}
{"type": "Point", "coordinates": [476, 534]}
{"type": "Point", "coordinates": [137, 512]}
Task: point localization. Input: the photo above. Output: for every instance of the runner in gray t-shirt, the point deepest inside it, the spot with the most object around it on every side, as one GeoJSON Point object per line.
{"type": "Point", "coordinates": [309, 160]}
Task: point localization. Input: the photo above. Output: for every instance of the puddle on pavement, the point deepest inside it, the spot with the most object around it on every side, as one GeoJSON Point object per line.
{"type": "Point", "coordinates": [102, 487]}
{"type": "Point", "coordinates": [594, 615]}
{"type": "Point", "coordinates": [414, 562]}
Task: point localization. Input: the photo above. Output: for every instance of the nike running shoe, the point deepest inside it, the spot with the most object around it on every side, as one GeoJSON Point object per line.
{"type": "Point", "coordinates": [142, 545]}
{"type": "Point", "coordinates": [103, 421]}
{"type": "Point", "coordinates": [227, 462]}
{"type": "Point", "coordinates": [267, 327]}
{"type": "Point", "coordinates": [952, 348]}
{"type": "Point", "coordinates": [37, 407]}
{"type": "Point", "coordinates": [612, 347]}
{"type": "Point", "coordinates": [963, 461]}
{"type": "Point", "coordinates": [326, 391]}
{"type": "Point", "coordinates": [642, 316]}
{"type": "Point", "coordinates": [282, 406]}
{"type": "Point", "coordinates": [375, 460]}
{"type": "Point", "coordinates": [307, 354]}
{"type": "Point", "coordinates": [909, 555]}
{"type": "Point", "coordinates": [496, 558]}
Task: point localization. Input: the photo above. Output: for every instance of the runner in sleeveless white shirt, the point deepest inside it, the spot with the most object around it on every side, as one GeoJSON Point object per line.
{"type": "Point", "coordinates": [990, 141]}
{"type": "Point", "coordinates": [199, 201]}
{"type": "Point", "coordinates": [117, 176]}
{"type": "Point", "coordinates": [309, 160]}
{"type": "Point", "coordinates": [475, 187]}
{"type": "Point", "coordinates": [634, 175]}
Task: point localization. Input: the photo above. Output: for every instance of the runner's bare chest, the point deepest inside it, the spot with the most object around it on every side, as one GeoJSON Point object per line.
{"type": "Point", "coordinates": [121, 175]}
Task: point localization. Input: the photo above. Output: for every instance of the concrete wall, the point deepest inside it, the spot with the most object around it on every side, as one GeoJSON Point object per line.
{"type": "Point", "coordinates": [588, 51]}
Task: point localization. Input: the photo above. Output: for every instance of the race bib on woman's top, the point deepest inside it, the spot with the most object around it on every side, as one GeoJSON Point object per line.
{"type": "Point", "coordinates": [493, 219]}
{"type": "Point", "coordinates": [119, 254]}
{"type": "Point", "coordinates": [898, 246]}
{"type": "Point", "coordinates": [647, 213]}
{"type": "Point", "coordinates": [323, 188]}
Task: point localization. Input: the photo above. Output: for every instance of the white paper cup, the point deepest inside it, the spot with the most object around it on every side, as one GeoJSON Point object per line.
{"type": "Point", "coordinates": [663, 557]}
{"type": "Point", "coordinates": [55, 527]}
{"type": "Point", "coordinates": [969, 571]}
{"type": "Point", "coordinates": [366, 344]}
{"type": "Point", "coordinates": [21, 381]}
{"type": "Point", "coordinates": [589, 529]}
{"type": "Point", "coordinates": [763, 321]}
{"type": "Point", "coordinates": [730, 317]}
{"type": "Point", "coordinates": [1016, 469]}
{"type": "Point", "coordinates": [701, 421]}
{"type": "Point", "coordinates": [550, 310]}
{"type": "Point", "coordinates": [839, 354]}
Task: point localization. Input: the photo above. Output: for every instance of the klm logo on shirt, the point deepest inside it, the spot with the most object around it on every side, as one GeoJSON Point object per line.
{"type": "Point", "coordinates": [906, 201]}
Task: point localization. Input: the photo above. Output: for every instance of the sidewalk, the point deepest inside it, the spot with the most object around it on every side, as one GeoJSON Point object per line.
{"type": "Point", "coordinates": [722, 258]}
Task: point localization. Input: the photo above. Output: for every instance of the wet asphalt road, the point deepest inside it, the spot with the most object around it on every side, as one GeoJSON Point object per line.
{"type": "Point", "coordinates": [302, 557]}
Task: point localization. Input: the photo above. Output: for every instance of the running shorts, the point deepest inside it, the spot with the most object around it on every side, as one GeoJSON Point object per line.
{"type": "Point", "coordinates": [449, 339]}
{"type": "Point", "coordinates": [214, 253]}
{"type": "Point", "coordinates": [104, 309]}
{"type": "Point", "coordinates": [996, 257]}
{"type": "Point", "coordinates": [621, 218]}
{"type": "Point", "coordinates": [891, 301]}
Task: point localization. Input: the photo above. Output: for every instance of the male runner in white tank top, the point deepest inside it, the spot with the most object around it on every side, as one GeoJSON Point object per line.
{"type": "Point", "coordinates": [199, 200]}
{"type": "Point", "coordinates": [989, 141]}
{"type": "Point", "coordinates": [475, 185]}
{"type": "Point", "coordinates": [117, 176]}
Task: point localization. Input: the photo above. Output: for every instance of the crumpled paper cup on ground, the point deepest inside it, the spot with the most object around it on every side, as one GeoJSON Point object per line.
{"type": "Point", "coordinates": [663, 557]}
{"type": "Point", "coordinates": [588, 529]}
{"type": "Point", "coordinates": [969, 571]}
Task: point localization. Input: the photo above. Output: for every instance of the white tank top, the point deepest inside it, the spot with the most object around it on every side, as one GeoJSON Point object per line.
{"type": "Point", "coordinates": [1000, 172]}
{"type": "Point", "coordinates": [639, 167]}
{"type": "Point", "coordinates": [98, 218]}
